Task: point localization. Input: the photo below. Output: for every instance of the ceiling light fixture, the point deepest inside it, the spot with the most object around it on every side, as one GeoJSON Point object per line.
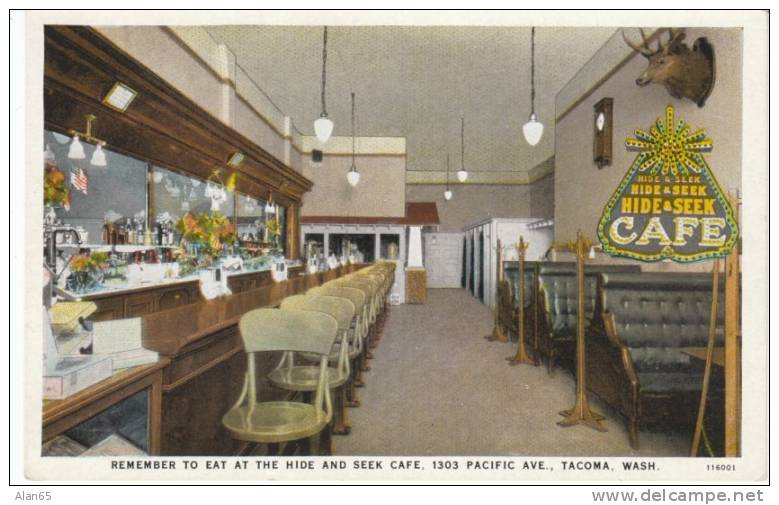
{"type": "Point", "coordinates": [533, 129]}
{"type": "Point", "coordinates": [353, 176]}
{"type": "Point", "coordinates": [448, 192]}
{"type": "Point", "coordinates": [462, 174]}
{"type": "Point", "coordinates": [120, 97]}
{"type": "Point", "coordinates": [323, 127]}
{"type": "Point", "coordinates": [76, 151]}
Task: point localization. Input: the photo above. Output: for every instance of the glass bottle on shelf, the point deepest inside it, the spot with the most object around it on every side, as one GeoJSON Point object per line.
{"type": "Point", "coordinates": [130, 231]}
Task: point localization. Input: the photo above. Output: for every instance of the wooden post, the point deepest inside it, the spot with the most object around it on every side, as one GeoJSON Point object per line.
{"type": "Point", "coordinates": [581, 413]}
{"type": "Point", "coordinates": [521, 356]}
{"type": "Point", "coordinates": [497, 330]}
{"type": "Point", "coordinates": [732, 348]}
{"type": "Point", "coordinates": [696, 439]}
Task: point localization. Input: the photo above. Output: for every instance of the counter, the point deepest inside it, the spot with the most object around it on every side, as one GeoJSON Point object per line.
{"type": "Point", "coordinates": [202, 350]}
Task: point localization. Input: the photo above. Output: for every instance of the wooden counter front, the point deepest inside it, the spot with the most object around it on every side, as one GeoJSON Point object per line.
{"type": "Point", "coordinates": [144, 300]}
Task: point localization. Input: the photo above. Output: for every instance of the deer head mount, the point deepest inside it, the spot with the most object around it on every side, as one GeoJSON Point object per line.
{"type": "Point", "coordinates": [685, 72]}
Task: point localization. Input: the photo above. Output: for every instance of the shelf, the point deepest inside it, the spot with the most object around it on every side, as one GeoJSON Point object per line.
{"type": "Point", "coordinates": [121, 248]}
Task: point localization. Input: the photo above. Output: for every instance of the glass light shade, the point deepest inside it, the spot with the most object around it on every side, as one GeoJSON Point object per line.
{"type": "Point", "coordinates": [592, 253]}
{"type": "Point", "coordinates": [76, 151]}
{"type": "Point", "coordinates": [533, 130]}
{"type": "Point", "coordinates": [270, 208]}
{"type": "Point", "coordinates": [447, 194]}
{"type": "Point", "coordinates": [98, 157]}
{"type": "Point", "coordinates": [48, 154]}
{"type": "Point", "coordinates": [462, 175]}
{"type": "Point", "coordinates": [323, 128]}
{"type": "Point", "coordinates": [353, 176]}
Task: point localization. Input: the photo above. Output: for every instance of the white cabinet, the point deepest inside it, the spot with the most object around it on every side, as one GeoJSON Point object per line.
{"type": "Point", "coordinates": [481, 251]}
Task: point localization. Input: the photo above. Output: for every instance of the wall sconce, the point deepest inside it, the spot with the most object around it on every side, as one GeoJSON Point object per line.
{"type": "Point", "coordinates": [76, 151]}
{"type": "Point", "coordinates": [270, 208]}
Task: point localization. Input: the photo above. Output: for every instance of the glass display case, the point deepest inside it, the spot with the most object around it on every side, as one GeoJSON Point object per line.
{"type": "Point", "coordinates": [362, 246]}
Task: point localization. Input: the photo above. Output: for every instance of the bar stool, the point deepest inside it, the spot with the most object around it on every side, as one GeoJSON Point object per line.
{"type": "Point", "coordinates": [357, 333]}
{"type": "Point", "coordinates": [369, 288]}
{"type": "Point", "coordinates": [302, 378]}
{"type": "Point", "coordinates": [274, 422]}
{"type": "Point", "coordinates": [377, 274]}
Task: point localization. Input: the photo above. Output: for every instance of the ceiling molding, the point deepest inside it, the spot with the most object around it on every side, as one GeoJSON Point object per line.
{"type": "Point", "coordinates": [612, 56]}
{"type": "Point", "coordinates": [506, 178]}
{"type": "Point", "coordinates": [386, 146]}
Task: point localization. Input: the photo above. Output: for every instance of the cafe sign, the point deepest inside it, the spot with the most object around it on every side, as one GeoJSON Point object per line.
{"type": "Point", "coordinates": [668, 205]}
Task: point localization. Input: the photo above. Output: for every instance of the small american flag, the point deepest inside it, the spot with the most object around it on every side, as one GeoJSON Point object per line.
{"type": "Point", "coordinates": [79, 179]}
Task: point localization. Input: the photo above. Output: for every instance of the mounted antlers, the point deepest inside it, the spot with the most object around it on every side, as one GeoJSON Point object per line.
{"type": "Point", "coordinates": [685, 72]}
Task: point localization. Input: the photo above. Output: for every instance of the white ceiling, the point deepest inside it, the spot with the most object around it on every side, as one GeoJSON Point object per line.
{"type": "Point", "coordinates": [416, 82]}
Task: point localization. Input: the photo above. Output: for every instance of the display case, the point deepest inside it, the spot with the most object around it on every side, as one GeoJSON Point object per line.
{"type": "Point", "coordinates": [373, 241]}
{"type": "Point", "coordinates": [116, 417]}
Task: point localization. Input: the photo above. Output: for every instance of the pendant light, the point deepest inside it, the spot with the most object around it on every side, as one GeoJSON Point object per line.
{"type": "Point", "coordinates": [98, 157]}
{"type": "Point", "coordinates": [323, 127]}
{"type": "Point", "coordinates": [462, 174]}
{"type": "Point", "coordinates": [533, 129]}
{"type": "Point", "coordinates": [448, 192]}
{"type": "Point", "coordinates": [270, 208]}
{"type": "Point", "coordinates": [76, 151]}
{"type": "Point", "coordinates": [353, 176]}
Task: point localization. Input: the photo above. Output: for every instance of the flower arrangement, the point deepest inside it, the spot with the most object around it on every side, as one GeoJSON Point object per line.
{"type": "Point", "coordinates": [209, 232]}
{"type": "Point", "coordinates": [87, 271]}
{"type": "Point", "coordinates": [55, 189]}
{"type": "Point", "coordinates": [94, 261]}
{"type": "Point", "coordinates": [273, 228]}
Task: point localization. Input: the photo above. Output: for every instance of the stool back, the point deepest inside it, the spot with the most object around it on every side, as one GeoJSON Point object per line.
{"type": "Point", "coordinates": [287, 330]}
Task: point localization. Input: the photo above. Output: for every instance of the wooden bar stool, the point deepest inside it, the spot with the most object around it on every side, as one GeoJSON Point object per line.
{"type": "Point", "coordinates": [275, 422]}
{"type": "Point", "coordinates": [303, 377]}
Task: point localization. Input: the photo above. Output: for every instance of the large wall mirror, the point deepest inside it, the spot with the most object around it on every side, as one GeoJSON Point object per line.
{"type": "Point", "coordinates": [115, 191]}
{"type": "Point", "coordinates": [175, 194]}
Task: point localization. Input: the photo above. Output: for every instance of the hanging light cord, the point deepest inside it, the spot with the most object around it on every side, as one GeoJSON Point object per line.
{"type": "Point", "coordinates": [353, 130]}
{"type": "Point", "coordinates": [324, 71]}
{"type": "Point", "coordinates": [447, 171]}
{"type": "Point", "coordinates": [532, 70]}
{"type": "Point", "coordinates": [462, 143]}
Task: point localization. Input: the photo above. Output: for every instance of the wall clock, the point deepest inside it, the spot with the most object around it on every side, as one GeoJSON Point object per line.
{"type": "Point", "coordinates": [603, 132]}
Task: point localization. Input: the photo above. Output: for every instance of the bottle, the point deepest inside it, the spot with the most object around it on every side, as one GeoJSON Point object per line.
{"type": "Point", "coordinates": [130, 233]}
{"type": "Point", "coordinates": [139, 233]}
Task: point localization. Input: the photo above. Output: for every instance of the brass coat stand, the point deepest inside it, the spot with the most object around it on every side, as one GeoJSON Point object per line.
{"type": "Point", "coordinates": [581, 412]}
{"type": "Point", "coordinates": [521, 356]}
{"type": "Point", "coordinates": [497, 331]}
